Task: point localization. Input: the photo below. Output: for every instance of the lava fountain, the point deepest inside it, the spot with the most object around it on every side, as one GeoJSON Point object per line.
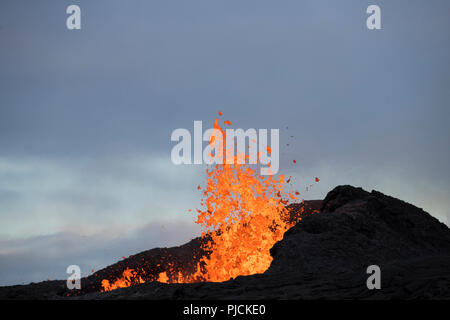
{"type": "Point", "coordinates": [243, 213]}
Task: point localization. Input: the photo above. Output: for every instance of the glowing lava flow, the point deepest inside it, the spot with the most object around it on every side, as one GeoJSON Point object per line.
{"type": "Point", "coordinates": [245, 215]}
{"type": "Point", "coordinates": [129, 278]}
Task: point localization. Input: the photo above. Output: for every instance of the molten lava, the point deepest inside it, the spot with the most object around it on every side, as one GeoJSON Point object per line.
{"type": "Point", "coordinates": [129, 278]}
{"type": "Point", "coordinates": [244, 215]}
{"type": "Point", "coordinates": [247, 216]}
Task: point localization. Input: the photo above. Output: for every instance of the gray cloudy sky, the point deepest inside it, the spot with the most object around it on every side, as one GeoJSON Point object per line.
{"type": "Point", "coordinates": [86, 116]}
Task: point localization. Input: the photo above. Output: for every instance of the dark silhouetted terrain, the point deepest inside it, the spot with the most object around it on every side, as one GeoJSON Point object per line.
{"type": "Point", "coordinates": [325, 255]}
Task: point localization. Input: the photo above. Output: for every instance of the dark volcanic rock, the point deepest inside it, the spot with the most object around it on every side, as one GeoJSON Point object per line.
{"type": "Point", "coordinates": [148, 264]}
{"type": "Point", "coordinates": [417, 278]}
{"type": "Point", "coordinates": [356, 229]}
{"type": "Point", "coordinates": [325, 255]}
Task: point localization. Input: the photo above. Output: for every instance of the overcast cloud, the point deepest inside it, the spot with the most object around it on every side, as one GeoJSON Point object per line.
{"type": "Point", "coordinates": [86, 116]}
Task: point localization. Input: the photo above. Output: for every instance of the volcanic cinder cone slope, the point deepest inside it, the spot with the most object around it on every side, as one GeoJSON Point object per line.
{"type": "Point", "coordinates": [356, 229]}
{"type": "Point", "coordinates": [325, 255]}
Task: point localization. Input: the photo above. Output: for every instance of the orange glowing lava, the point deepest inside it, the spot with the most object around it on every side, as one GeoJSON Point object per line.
{"type": "Point", "coordinates": [129, 278]}
{"type": "Point", "coordinates": [244, 215]}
